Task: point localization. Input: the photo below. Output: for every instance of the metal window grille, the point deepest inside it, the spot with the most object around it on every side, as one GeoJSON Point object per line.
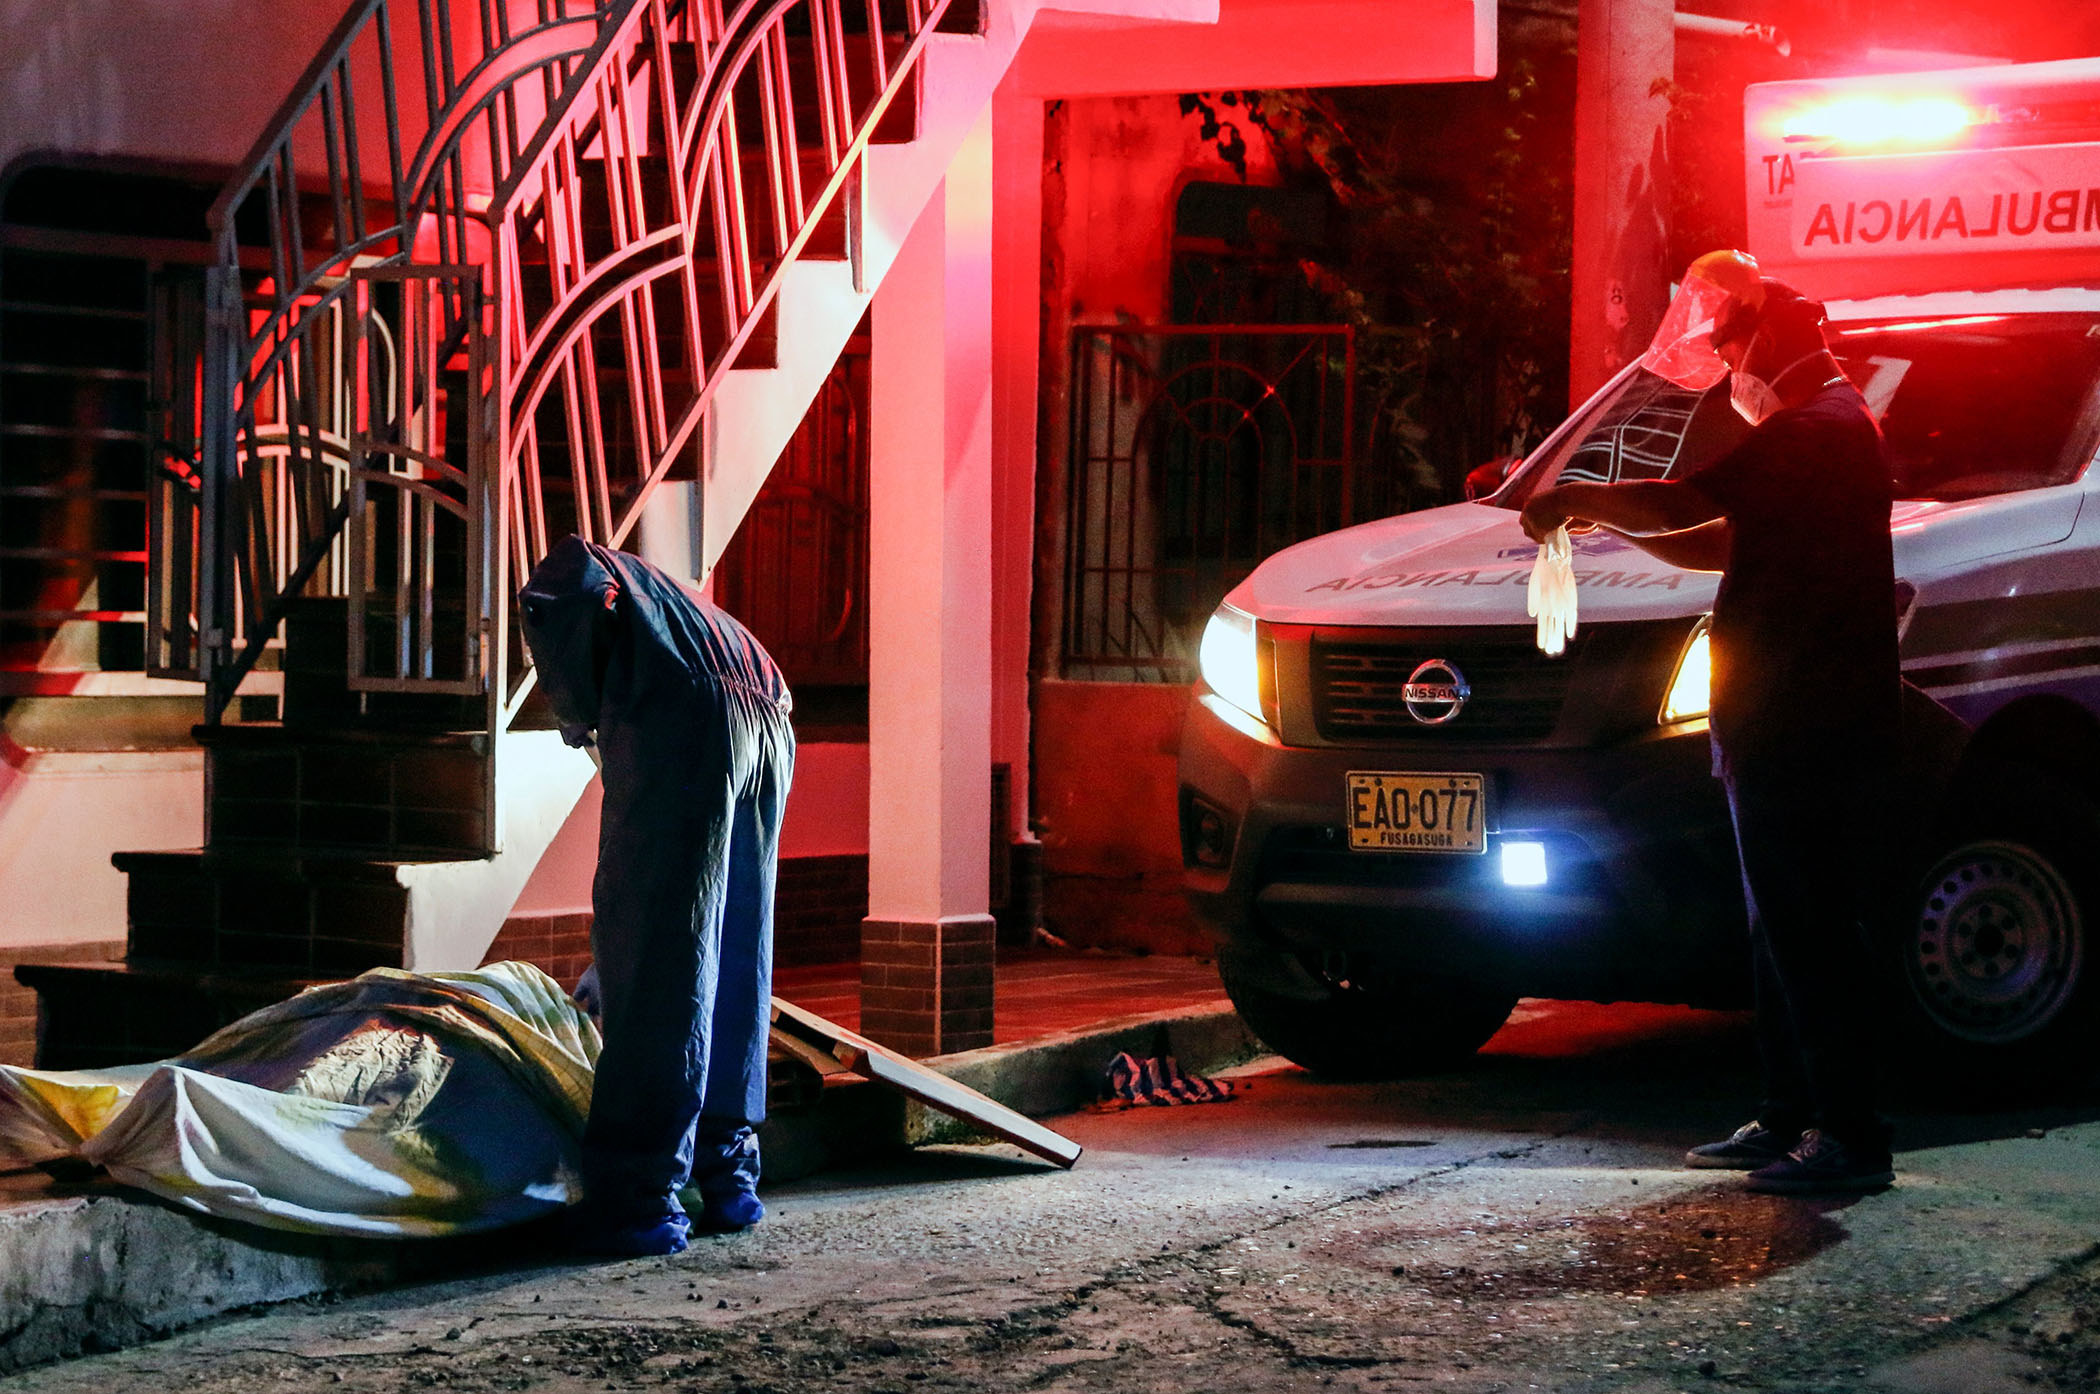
{"type": "Point", "coordinates": [1195, 451]}
{"type": "Point", "coordinates": [797, 570]}
{"type": "Point", "coordinates": [77, 413]}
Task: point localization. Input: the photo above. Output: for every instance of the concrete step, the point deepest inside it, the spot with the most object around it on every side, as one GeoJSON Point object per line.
{"type": "Point", "coordinates": [92, 1016]}
{"type": "Point", "coordinates": [403, 795]}
{"type": "Point", "coordinates": [305, 915]}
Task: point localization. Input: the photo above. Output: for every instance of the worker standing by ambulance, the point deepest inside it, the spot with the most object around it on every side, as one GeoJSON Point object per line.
{"type": "Point", "coordinates": [1805, 698]}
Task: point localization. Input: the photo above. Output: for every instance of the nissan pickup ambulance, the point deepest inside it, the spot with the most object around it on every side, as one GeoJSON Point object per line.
{"type": "Point", "coordinates": [1399, 816]}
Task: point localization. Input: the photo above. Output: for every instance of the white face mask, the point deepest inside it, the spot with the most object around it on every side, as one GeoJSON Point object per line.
{"type": "Point", "coordinates": [1753, 398]}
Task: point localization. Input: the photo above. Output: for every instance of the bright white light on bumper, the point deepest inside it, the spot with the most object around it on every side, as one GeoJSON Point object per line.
{"type": "Point", "coordinates": [1691, 688]}
{"type": "Point", "coordinates": [1523, 863]}
{"type": "Point", "coordinates": [1228, 662]}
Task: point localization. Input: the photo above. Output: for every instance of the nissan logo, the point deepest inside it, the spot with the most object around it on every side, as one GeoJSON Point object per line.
{"type": "Point", "coordinates": [1435, 692]}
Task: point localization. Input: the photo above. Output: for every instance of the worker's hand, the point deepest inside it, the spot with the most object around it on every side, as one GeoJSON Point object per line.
{"type": "Point", "coordinates": [1542, 515]}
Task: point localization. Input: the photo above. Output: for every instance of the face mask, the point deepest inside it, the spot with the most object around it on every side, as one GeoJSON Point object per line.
{"type": "Point", "coordinates": [1753, 398]}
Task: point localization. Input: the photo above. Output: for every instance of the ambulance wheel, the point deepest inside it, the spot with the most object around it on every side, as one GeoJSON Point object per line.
{"type": "Point", "coordinates": [1385, 1028]}
{"type": "Point", "coordinates": [1996, 948]}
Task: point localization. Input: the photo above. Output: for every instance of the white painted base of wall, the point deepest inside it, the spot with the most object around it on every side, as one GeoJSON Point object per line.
{"type": "Point", "coordinates": [62, 815]}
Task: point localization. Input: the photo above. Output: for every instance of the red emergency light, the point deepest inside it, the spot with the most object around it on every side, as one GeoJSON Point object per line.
{"type": "Point", "coordinates": [1881, 121]}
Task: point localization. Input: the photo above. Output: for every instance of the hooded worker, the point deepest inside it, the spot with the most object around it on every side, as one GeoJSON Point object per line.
{"type": "Point", "coordinates": [1804, 716]}
{"type": "Point", "coordinates": [690, 717]}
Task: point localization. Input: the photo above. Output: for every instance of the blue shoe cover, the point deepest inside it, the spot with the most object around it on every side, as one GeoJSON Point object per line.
{"type": "Point", "coordinates": [737, 1210]}
{"type": "Point", "coordinates": [725, 1173]}
{"type": "Point", "coordinates": [592, 1230]}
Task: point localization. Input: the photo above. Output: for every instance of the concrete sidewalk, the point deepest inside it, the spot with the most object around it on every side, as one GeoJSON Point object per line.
{"type": "Point", "coordinates": [89, 1266]}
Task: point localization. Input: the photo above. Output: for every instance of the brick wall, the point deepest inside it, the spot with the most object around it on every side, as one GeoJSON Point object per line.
{"type": "Point", "coordinates": [817, 909]}
{"type": "Point", "coordinates": [559, 945]}
{"type": "Point", "coordinates": [818, 905]}
{"type": "Point", "coordinates": [18, 1003]}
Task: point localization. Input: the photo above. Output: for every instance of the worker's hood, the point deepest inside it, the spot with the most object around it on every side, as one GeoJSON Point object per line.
{"type": "Point", "coordinates": [567, 609]}
{"type": "Point", "coordinates": [1467, 563]}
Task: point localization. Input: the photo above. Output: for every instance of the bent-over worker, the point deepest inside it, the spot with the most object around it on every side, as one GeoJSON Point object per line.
{"type": "Point", "coordinates": [690, 717]}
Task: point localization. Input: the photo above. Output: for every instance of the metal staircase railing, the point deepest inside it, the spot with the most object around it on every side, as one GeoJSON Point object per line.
{"type": "Point", "coordinates": [297, 355]}
{"type": "Point", "coordinates": [708, 196]}
{"type": "Point", "coordinates": [405, 394]}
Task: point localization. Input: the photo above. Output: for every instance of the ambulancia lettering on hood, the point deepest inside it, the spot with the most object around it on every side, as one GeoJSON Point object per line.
{"type": "Point", "coordinates": [1462, 564]}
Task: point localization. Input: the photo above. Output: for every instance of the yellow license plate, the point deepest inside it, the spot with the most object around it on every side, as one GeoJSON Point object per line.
{"type": "Point", "coordinates": [1416, 812]}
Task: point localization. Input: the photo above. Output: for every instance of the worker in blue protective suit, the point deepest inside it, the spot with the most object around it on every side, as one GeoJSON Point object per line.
{"type": "Point", "coordinates": [690, 718]}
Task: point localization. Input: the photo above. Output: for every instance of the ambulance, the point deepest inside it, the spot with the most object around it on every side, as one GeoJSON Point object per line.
{"type": "Point", "coordinates": [1399, 816]}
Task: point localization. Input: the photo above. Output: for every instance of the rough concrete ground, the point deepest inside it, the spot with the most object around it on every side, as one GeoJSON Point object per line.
{"type": "Point", "coordinates": [1521, 1225]}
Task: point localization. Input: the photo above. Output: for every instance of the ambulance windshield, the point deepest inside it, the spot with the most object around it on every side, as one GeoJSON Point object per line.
{"type": "Point", "coordinates": [1970, 404]}
{"type": "Point", "coordinates": [1978, 404]}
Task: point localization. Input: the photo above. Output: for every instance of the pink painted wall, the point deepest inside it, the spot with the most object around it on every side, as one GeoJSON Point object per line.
{"type": "Point", "coordinates": [1105, 793]}
{"type": "Point", "coordinates": [195, 82]}
{"type": "Point", "coordinates": [827, 815]}
{"type": "Point", "coordinates": [1264, 43]}
{"type": "Point", "coordinates": [190, 82]}
{"type": "Point", "coordinates": [1112, 168]}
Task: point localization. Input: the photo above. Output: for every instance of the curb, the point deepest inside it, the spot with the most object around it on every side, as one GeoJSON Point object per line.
{"type": "Point", "coordinates": [1060, 1073]}
{"type": "Point", "coordinates": [98, 1270]}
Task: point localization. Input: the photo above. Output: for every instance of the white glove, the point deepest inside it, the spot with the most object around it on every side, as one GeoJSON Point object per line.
{"type": "Point", "coordinates": [1552, 595]}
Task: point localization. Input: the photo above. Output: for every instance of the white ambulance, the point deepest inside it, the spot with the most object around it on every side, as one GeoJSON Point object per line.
{"type": "Point", "coordinates": [1398, 815]}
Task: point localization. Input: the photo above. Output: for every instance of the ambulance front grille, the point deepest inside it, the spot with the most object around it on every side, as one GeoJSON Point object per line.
{"type": "Point", "coordinates": [1516, 691]}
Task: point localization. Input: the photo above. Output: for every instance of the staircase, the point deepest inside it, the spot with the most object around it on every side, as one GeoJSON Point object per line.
{"type": "Point", "coordinates": [608, 261]}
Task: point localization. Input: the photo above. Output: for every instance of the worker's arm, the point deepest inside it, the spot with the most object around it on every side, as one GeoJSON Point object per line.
{"type": "Point", "coordinates": [1704, 548]}
{"type": "Point", "coordinates": [1643, 507]}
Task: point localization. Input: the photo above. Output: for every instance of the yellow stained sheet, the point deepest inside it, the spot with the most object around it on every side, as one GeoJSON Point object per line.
{"type": "Point", "coordinates": [395, 1104]}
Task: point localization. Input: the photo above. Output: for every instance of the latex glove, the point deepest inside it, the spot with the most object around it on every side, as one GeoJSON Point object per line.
{"type": "Point", "coordinates": [587, 995]}
{"type": "Point", "coordinates": [1551, 597]}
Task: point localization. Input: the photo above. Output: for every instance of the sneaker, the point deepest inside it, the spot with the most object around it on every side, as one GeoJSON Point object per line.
{"type": "Point", "coordinates": [1746, 1149]}
{"type": "Point", "coordinates": [1820, 1164]}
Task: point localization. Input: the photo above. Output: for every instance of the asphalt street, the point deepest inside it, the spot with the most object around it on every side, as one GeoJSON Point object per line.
{"type": "Point", "coordinates": [1519, 1225]}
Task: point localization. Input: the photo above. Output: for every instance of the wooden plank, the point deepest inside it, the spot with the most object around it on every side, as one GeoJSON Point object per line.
{"type": "Point", "coordinates": [885, 1066]}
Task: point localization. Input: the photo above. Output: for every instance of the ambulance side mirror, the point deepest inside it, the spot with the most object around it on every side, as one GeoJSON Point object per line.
{"type": "Point", "coordinates": [1483, 480]}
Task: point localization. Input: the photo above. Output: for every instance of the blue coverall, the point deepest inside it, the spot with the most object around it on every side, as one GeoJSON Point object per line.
{"type": "Point", "coordinates": [691, 719]}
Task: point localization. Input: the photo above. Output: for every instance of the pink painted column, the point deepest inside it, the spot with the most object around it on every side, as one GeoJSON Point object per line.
{"type": "Point", "coordinates": [927, 944]}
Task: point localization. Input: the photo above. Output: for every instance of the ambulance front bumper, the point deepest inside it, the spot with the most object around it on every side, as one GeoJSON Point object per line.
{"type": "Point", "coordinates": [1639, 896]}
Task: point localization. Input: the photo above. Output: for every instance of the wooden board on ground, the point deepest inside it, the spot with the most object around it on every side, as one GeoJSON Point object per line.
{"type": "Point", "coordinates": [807, 1034]}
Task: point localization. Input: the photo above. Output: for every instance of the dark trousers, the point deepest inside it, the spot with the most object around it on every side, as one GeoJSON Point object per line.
{"type": "Point", "coordinates": [1812, 834]}
{"type": "Point", "coordinates": [683, 935]}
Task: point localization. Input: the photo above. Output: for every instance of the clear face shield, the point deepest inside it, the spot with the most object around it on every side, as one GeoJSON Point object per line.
{"type": "Point", "coordinates": [1682, 350]}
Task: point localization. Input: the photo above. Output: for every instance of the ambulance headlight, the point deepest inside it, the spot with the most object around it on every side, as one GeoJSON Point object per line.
{"type": "Point", "coordinates": [1692, 684]}
{"type": "Point", "coordinates": [1229, 659]}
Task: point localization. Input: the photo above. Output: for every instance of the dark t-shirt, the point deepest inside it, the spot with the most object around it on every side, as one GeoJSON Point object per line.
{"type": "Point", "coordinates": [1804, 627]}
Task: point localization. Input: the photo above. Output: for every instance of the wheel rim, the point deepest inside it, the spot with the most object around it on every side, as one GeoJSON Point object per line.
{"type": "Point", "coordinates": [1997, 944]}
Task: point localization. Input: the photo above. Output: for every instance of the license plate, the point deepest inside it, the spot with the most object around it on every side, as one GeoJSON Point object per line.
{"type": "Point", "coordinates": [1416, 812]}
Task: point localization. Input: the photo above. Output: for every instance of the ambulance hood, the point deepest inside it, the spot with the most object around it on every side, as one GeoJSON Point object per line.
{"type": "Point", "coordinates": [1464, 564]}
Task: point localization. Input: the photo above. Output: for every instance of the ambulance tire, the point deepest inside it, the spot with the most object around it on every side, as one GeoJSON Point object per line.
{"type": "Point", "coordinates": [1998, 946]}
{"type": "Point", "coordinates": [1392, 1031]}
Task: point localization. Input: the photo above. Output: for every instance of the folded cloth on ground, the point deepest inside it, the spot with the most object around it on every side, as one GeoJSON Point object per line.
{"type": "Point", "coordinates": [395, 1104]}
{"type": "Point", "coordinates": [1158, 1079]}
